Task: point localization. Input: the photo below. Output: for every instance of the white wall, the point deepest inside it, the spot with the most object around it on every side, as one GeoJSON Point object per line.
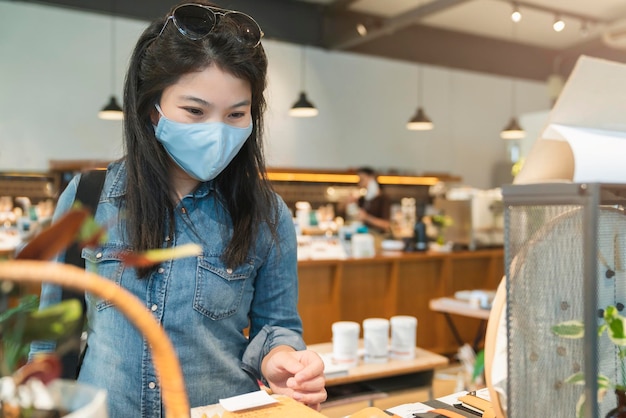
{"type": "Point", "coordinates": [55, 75]}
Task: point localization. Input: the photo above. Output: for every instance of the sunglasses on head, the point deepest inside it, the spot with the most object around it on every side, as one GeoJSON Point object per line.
{"type": "Point", "coordinates": [196, 21]}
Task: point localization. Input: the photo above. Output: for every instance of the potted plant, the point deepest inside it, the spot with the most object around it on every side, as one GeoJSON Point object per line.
{"type": "Point", "coordinates": [614, 327]}
{"type": "Point", "coordinates": [23, 322]}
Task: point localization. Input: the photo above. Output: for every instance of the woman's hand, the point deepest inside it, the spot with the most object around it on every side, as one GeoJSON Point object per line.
{"type": "Point", "coordinates": [298, 374]}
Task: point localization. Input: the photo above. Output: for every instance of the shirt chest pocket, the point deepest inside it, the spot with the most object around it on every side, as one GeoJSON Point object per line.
{"type": "Point", "coordinates": [105, 262]}
{"type": "Point", "coordinates": [219, 290]}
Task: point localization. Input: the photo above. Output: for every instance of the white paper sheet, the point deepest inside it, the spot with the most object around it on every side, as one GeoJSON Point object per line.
{"type": "Point", "coordinates": [599, 156]}
{"type": "Point", "coordinates": [407, 410]}
{"type": "Point", "coordinates": [247, 401]}
{"type": "Point", "coordinates": [584, 138]}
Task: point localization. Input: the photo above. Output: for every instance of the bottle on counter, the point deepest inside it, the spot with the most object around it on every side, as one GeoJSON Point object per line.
{"type": "Point", "coordinates": [421, 239]}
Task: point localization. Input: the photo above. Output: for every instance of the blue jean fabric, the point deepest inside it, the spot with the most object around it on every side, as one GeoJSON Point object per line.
{"type": "Point", "coordinates": [203, 305]}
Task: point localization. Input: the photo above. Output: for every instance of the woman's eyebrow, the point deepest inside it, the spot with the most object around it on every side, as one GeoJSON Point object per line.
{"type": "Point", "coordinates": [203, 102]}
{"type": "Point", "coordinates": [198, 100]}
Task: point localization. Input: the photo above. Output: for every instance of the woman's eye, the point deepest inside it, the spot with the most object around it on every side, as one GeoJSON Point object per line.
{"type": "Point", "coordinates": [194, 111]}
{"type": "Point", "coordinates": [237, 115]}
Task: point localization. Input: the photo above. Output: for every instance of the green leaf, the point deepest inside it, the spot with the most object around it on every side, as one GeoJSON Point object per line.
{"type": "Point", "coordinates": [569, 329]}
{"type": "Point", "coordinates": [54, 322]}
{"type": "Point", "coordinates": [610, 312]}
{"type": "Point", "coordinates": [603, 382]}
{"type": "Point", "coordinates": [576, 379]}
{"type": "Point", "coordinates": [151, 257]}
{"type": "Point", "coordinates": [25, 304]}
{"type": "Point", "coordinates": [479, 365]}
{"type": "Point", "coordinates": [616, 327]}
{"type": "Point", "coordinates": [580, 406]}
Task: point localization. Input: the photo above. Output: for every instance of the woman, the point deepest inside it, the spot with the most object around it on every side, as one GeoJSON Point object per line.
{"type": "Point", "coordinates": [194, 172]}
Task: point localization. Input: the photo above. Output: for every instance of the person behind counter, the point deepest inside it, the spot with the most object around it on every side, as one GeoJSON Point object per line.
{"type": "Point", "coordinates": [374, 206]}
{"type": "Point", "coordinates": [193, 118]}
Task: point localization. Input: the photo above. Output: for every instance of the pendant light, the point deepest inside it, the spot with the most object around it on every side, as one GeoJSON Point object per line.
{"type": "Point", "coordinates": [513, 130]}
{"type": "Point", "coordinates": [419, 121]}
{"type": "Point", "coordinates": [303, 108]}
{"type": "Point", "coordinates": [112, 110]}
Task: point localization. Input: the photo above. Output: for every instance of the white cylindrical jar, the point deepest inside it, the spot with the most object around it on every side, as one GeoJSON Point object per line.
{"type": "Point", "coordinates": [403, 337]}
{"type": "Point", "coordinates": [346, 342]}
{"type": "Point", "coordinates": [376, 339]}
{"type": "Point", "coordinates": [363, 245]}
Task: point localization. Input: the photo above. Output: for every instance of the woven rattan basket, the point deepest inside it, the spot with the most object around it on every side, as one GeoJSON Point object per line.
{"type": "Point", "coordinates": [166, 363]}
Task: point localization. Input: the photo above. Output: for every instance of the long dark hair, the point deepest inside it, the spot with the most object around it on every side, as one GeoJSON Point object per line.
{"type": "Point", "coordinates": [156, 63]}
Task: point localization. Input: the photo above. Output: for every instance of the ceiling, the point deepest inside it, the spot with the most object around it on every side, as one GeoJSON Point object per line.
{"type": "Point", "coordinates": [475, 35]}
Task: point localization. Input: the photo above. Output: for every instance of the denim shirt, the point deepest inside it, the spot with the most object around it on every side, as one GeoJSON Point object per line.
{"type": "Point", "coordinates": [203, 305]}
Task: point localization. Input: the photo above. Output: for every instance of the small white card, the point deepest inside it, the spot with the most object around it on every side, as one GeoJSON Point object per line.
{"type": "Point", "coordinates": [247, 401]}
{"type": "Point", "coordinates": [407, 410]}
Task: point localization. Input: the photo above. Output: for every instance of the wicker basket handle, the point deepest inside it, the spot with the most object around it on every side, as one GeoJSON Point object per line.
{"type": "Point", "coordinates": [166, 363]}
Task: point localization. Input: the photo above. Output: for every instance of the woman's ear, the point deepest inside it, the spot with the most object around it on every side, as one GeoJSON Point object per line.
{"type": "Point", "coordinates": [154, 116]}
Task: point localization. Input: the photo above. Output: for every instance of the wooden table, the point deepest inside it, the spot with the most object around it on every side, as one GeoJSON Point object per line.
{"type": "Point", "coordinates": [453, 306]}
{"type": "Point", "coordinates": [370, 381]}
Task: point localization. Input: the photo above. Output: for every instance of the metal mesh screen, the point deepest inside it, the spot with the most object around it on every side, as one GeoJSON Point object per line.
{"type": "Point", "coordinates": [544, 264]}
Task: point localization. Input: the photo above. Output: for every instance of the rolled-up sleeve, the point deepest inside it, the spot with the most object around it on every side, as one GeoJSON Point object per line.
{"type": "Point", "coordinates": [274, 318]}
{"type": "Point", "coordinates": [268, 338]}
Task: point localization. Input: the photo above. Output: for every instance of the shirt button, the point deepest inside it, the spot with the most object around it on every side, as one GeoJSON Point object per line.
{"type": "Point", "coordinates": [167, 238]}
{"type": "Point", "coordinates": [99, 255]}
{"type": "Point", "coordinates": [183, 210]}
{"type": "Point", "coordinates": [229, 271]}
{"type": "Point", "coordinates": [161, 270]}
{"type": "Point", "coordinates": [151, 385]}
{"type": "Point", "coordinates": [154, 307]}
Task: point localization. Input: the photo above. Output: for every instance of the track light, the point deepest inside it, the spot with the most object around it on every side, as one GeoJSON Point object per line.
{"type": "Point", "coordinates": [558, 24]}
{"type": "Point", "coordinates": [516, 16]}
{"type": "Point", "coordinates": [361, 29]}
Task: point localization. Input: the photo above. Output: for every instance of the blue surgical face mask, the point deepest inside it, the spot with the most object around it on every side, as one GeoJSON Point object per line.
{"type": "Point", "coordinates": [203, 150]}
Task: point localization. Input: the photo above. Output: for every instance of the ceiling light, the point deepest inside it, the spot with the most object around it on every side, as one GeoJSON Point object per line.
{"type": "Point", "coordinates": [303, 108]}
{"type": "Point", "coordinates": [419, 121]}
{"type": "Point", "coordinates": [361, 29]}
{"type": "Point", "coordinates": [558, 24]}
{"type": "Point", "coordinates": [513, 130]}
{"type": "Point", "coordinates": [516, 16]}
{"type": "Point", "coordinates": [112, 110]}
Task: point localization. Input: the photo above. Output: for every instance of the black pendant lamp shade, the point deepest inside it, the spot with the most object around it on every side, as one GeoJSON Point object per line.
{"type": "Point", "coordinates": [112, 111]}
{"type": "Point", "coordinates": [303, 107]}
{"type": "Point", "coordinates": [420, 122]}
{"type": "Point", "coordinates": [513, 130]}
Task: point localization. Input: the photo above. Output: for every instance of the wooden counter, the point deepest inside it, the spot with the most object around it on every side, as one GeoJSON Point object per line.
{"type": "Point", "coordinates": [394, 283]}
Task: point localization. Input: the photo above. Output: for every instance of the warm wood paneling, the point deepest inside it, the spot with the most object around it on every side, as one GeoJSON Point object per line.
{"type": "Point", "coordinates": [394, 284]}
